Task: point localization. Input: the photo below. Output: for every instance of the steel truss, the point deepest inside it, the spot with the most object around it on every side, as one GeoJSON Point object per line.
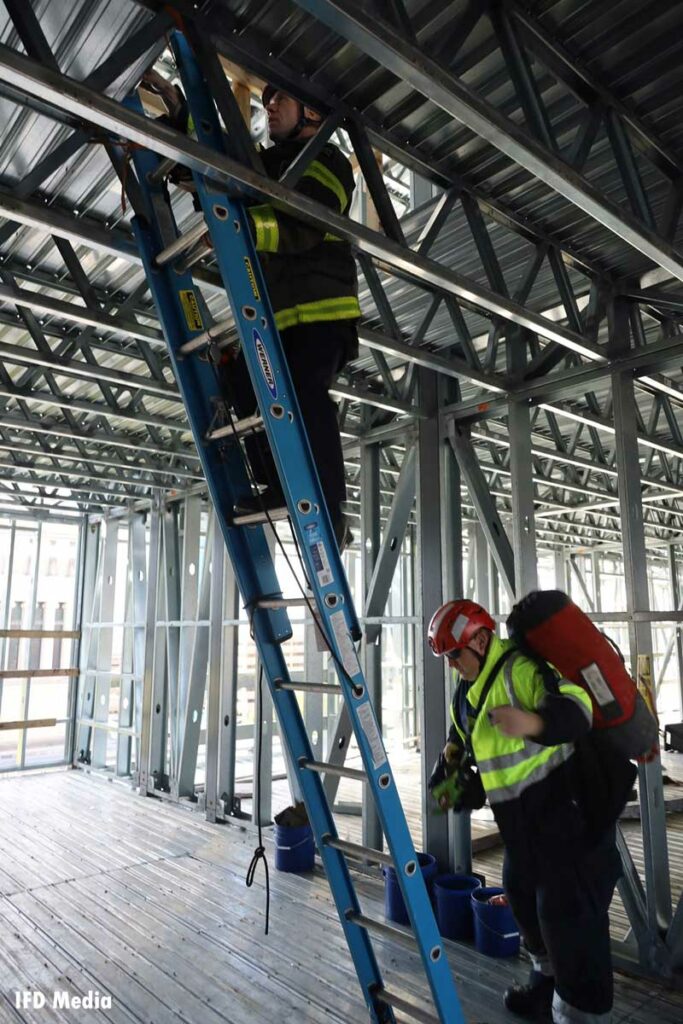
{"type": "Point", "coordinates": [525, 412]}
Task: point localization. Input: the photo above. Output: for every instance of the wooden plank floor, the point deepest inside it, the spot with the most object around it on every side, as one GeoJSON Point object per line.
{"type": "Point", "coordinates": [101, 890]}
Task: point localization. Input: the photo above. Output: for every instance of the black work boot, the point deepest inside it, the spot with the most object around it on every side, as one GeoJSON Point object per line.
{"type": "Point", "coordinates": [267, 501]}
{"type": "Point", "coordinates": [342, 533]}
{"type": "Point", "coordinates": [535, 999]}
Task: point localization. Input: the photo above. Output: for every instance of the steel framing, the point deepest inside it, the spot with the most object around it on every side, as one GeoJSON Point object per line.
{"type": "Point", "coordinates": [542, 406]}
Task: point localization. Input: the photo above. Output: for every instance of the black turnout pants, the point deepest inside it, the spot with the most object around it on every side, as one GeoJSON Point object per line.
{"type": "Point", "coordinates": [315, 353]}
{"type": "Point", "coordinates": [563, 919]}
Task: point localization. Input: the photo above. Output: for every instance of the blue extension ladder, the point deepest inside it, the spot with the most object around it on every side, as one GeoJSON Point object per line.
{"type": "Point", "coordinates": [182, 318]}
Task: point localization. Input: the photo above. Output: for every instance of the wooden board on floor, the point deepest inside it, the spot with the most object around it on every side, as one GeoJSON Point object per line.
{"type": "Point", "coordinates": [106, 891]}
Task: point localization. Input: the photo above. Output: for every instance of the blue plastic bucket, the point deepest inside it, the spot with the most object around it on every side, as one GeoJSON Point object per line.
{"type": "Point", "coordinates": [394, 907]}
{"type": "Point", "coordinates": [495, 930]}
{"type": "Point", "coordinates": [453, 902]}
{"type": "Point", "coordinates": [294, 848]}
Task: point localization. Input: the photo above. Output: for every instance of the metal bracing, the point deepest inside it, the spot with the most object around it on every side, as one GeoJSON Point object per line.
{"type": "Point", "coordinates": [194, 654]}
{"type": "Point", "coordinates": [479, 234]}
{"type": "Point", "coordinates": [387, 557]}
{"type": "Point", "coordinates": [88, 408]}
{"type": "Point", "coordinates": [657, 880]}
{"type": "Point", "coordinates": [381, 41]}
{"type": "Point", "coordinates": [375, 601]}
{"type": "Point", "coordinates": [484, 504]}
{"type": "Point", "coordinates": [247, 45]}
{"type": "Point", "coordinates": [85, 103]}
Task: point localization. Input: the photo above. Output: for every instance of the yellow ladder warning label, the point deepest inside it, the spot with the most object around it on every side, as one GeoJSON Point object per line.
{"type": "Point", "coordinates": [190, 306]}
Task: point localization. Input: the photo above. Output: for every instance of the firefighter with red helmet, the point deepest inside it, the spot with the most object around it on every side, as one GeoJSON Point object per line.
{"type": "Point", "coordinates": [520, 738]}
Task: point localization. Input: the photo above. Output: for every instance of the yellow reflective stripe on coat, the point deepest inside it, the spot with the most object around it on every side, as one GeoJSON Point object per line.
{"type": "Point", "coordinates": [510, 764]}
{"type": "Point", "coordinates": [324, 176]}
{"type": "Point", "coordinates": [267, 227]}
{"type": "Point", "coordinates": [510, 780]}
{"type": "Point", "coordinates": [344, 308]}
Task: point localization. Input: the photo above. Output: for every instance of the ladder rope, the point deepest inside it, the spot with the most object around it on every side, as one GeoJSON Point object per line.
{"type": "Point", "coordinates": [260, 850]}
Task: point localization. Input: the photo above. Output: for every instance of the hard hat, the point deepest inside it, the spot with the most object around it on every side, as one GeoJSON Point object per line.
{"type": "Point", "coordinates": [454, 624]}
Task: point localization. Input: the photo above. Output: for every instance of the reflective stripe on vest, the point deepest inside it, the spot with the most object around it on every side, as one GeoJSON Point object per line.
{"type": "Point", "coordinates": [346, 307]}
{"type": "Point", "coordinates": [267, 227]}
{"type": "Point", "coordinates": [509, 765]}
{"type": "Point", "coordinates": [324, 176]}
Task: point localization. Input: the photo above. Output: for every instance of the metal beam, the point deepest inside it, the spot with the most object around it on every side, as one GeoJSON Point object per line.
{"type": "Point", "coordinates": [461, 442]}
{"type": "Point", "coordinates": [380, 41]}
{"type": "Point", "coordinates": [76, 314]}
{"type": "Point", "coordinates": [65, 93]}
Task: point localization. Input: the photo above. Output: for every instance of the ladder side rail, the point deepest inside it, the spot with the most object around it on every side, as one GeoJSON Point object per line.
{"type": "Point", "coordinates": [223, 466]}
{"type": "Point", "coordinates": [241, 272]}
{"type": "Point", "coordinates": [228, 225]}
{"type": "Point", "coordinates": [227, 480]}
{"type": "Point", "coordinates": [245, 550]}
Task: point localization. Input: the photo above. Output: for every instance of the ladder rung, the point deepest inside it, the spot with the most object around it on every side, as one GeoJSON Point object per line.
{"type": "Point", "coordinates": [284, 602]}
{"type": "Point", "coordinates": [203, 246]}
{"type": "Point", "coordinates": [164, 168]}
{"type": "Point", "coordinates": [203, 339]}
{"type": "Point", "coordinates": [182, 243]}
{"type": "Point", "coordinates": [310, 687]}
{"type": "Point", "coordinates": [260, 518]}
{"type": "Point", "coordinates": [392, 931]}
{"type": "Point", "coordinates": [334, 769]}
{"type": "Point", "coordinates": [399, 1003]}
{"type": "Point", "coordinates": [358, 852]}
{"type": "Point", "coordinates": [237, 428]}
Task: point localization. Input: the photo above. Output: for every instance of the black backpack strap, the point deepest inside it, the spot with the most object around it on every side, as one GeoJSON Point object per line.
{"type": "Point", "coordinates": [486, 689]}
{"type": "Point", "coordinates": [490, 680]}
{"type": "Point", "coordinates": [551, 677]}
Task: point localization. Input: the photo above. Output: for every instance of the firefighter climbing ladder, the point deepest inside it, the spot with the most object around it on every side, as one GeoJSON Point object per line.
{"type": "Point", "coordinates": [189, 338]}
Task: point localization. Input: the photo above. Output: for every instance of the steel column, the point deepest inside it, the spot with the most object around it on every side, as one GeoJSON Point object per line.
{"type": "Point", "coordinates": [222, 727]}
{"type": "Point", "coordinates": [192, 699]}
{"type": "Point", "coordinates": [429, 593]}
{"type": "Point", "coordinates": [372, 650]}
{"type": "Point", "coordinates": [101, 680]}
{"type": "Point", "coordinates": [90, 591]}
{"type": "Point", "coordinates": [676, 603]}
{"type": "Point", "coordinates": [460, 830]}
{"type": "Point", "coordinates": [147, 714]}
{"type": "Point", "coordinates": [653, 818]}
{"type": "Point", "coordinates": [172, 607]}
{"type": "Point", "coordinates": [215, 710]}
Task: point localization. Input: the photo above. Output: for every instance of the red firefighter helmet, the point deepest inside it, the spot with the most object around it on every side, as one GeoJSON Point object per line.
{"type": "Point", "coordinates": [454, 624]}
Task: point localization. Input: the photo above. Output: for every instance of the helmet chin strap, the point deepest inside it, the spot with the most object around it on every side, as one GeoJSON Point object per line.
{"type": "Point", "coordinates": [302, 123]}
